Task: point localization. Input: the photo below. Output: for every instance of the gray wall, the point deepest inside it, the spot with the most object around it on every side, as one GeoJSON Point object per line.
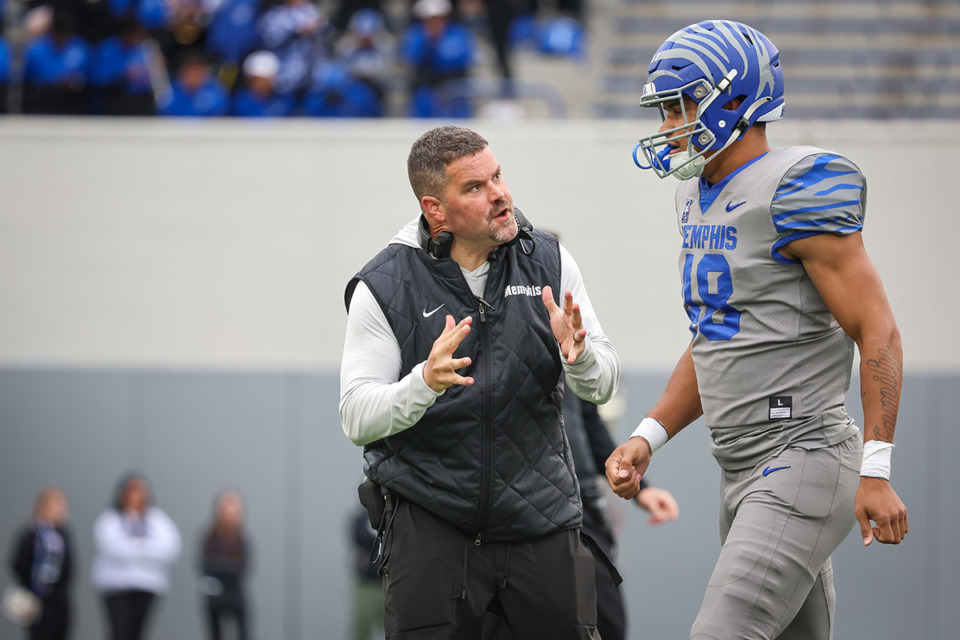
{"type": "Point", "coordinates": [171, 297]}
{"type": "Point", "coordinates": [227, 244]}
{"type": "Point", "coordinates": [276, 437]}
{"type": "Point", "coordinates": [273, 436]}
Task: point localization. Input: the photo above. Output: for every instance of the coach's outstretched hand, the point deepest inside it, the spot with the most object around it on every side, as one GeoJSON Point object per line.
{"type": "Point", "coordinates": [440, 370]}
{"type": "Point", "coordinates": [567, 325]}
{"type": "Point", "coordinates": [659, 503]}
{"type": "Point", "coordinates": [626, 465]}
{"type": "Point", "coordinates": [877, 501]}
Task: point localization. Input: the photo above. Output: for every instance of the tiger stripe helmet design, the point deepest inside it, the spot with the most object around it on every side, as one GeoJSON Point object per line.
{"type": "Point", "coordinates": [712, 63]}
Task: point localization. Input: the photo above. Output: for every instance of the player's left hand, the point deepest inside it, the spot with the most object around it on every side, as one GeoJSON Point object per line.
{"type": "Point", "coordinates": [567, 325]}
{"type": "Point", "coordinates": [659, 503]}
{"type": "Point", "coordinates": [876, 501]}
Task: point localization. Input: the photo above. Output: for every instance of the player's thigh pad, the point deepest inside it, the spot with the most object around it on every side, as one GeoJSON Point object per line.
{"type": "Point", "coordinates": [780, 530]}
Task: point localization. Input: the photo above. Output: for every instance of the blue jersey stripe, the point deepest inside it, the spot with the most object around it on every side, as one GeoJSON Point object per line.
{"type": "Point", "coordinates": [817, 173]}
{"type": "Point", "coordinates": [780, 217]}
{"type": "Point", "coordinates": [784, 241]}
{"type": "Point", "coordinates": [843, 224]}
{"type": "Point", "coordinates": [838, 187]}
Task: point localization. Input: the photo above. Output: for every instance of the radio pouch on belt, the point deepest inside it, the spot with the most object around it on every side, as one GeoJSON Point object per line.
{"type": "Point", "coordinates": [372, 499]}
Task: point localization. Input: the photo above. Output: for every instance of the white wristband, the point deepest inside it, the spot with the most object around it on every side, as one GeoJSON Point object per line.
{"type": "Point", "coordinates": [653, 431]}
{"type": "Point", "coordinates": [876, 459]}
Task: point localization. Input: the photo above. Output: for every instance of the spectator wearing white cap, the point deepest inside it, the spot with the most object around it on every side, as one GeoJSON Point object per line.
{"type": "Point", "coordinates": [258, 97]}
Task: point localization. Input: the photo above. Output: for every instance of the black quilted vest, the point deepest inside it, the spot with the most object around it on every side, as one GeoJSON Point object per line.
{"type": "Point", "coordinates": [492, 459]}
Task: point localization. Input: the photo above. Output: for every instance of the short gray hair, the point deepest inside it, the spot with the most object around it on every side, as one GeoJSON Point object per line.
{"type": "Point", "coordinates": [433, 151]}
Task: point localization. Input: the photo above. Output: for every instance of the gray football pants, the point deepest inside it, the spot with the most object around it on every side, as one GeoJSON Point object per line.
{"type": "Point", "coordinates": [774, 578]}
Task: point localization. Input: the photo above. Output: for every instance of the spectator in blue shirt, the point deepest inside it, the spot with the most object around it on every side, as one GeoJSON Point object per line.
{"type": "Point", "coordinates": [122, 8]}
{"type": "Point", "coordinates": [438, 50]}
{"type": "Point", "coordinates": [120, 72]}
{"type": "Point", "coordinates": [195, 92]}
{"type": "Point", "coordinates": [232, 32]}
{"type": "Point", "coordinates": [4, 71]}
{"type": "Point", "coordinates": [154, 14]}
{"type": "Point", "coordinates": [257, 98]}
{"type": "Point", "coordinates": [336, 94]}
{"type": "Point", "coordinates": [56, 69]}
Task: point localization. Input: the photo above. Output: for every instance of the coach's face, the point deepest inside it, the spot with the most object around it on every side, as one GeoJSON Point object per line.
{"type": "Point", "coordinates": [476, 205]}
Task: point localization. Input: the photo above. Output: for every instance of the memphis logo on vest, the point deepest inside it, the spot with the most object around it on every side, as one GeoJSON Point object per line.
{"type": "Point", "coordinates": [522, 290]}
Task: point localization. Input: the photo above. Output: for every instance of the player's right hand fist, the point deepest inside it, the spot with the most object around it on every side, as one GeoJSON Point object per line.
{"type": "Point", "coordinates": [626, 465]}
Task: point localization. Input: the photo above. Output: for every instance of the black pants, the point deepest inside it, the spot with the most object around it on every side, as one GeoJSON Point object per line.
{"type": "Point", "coordinates": [438, 583]}
{"type": "Point", "coordinates": [611, 613]}
{"type": "Point", "coordinates": [54, 621]}
{"type": "Point", "coordinates": [127, 613]}
{"type": "Point", "coordinates": [218, 611]}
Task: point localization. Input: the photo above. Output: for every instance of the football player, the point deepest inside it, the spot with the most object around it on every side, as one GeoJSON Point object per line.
{"type": "Point", "coordinates": [779, 291]}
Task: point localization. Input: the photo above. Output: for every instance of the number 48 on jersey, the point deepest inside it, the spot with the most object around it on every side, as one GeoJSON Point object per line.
{"type": "Point", "coordinates": [708, 300]}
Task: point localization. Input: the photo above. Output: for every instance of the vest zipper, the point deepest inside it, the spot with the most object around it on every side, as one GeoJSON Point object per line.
{"type": "Point", "coordinates": [486, 438]}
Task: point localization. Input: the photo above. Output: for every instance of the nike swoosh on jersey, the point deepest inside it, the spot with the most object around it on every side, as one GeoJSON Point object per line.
{"type": "Point", "coordinates": [427, 314]}
{"type": "Point", "coordinates": [731, 206]}
{"type": "Point", "coordinates": [770, 470]}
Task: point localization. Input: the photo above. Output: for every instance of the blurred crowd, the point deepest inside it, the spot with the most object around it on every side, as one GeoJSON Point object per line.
{"type": "Point", "coordinates": [256, 58]}
{"type": "Point", "coordinates": [136, 543]}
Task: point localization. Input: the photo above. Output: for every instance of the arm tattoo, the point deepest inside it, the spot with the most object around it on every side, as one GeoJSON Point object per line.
{"type": "Point", "coordinates": [887, 371]}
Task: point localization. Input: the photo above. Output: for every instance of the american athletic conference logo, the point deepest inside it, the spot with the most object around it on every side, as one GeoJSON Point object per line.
{"type": "Point", "coordinates": [685, 216]}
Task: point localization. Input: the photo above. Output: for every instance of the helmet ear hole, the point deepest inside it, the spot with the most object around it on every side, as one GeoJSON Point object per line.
{"type": "Point", "coordinates": [735, 103]}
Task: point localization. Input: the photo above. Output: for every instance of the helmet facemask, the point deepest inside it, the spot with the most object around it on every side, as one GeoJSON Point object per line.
{"type": "Point", "coordinates": [699, 137]}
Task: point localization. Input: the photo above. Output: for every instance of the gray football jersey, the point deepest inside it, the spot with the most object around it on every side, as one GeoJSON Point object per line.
{"type": "Point", "coordinates": [773, 365]}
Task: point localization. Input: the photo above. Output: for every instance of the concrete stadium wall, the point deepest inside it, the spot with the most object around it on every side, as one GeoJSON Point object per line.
{"type": "Point", "coordinates": [171, 302]}
{"type": "Point", "coordinates": [227, 244]}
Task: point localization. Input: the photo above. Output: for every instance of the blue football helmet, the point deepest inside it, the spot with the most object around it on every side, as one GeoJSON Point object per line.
{"type": "Point", "coordinates": [712, 63]}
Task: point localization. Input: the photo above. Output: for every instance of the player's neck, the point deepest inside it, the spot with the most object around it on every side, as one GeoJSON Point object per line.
{"type": "Point", "coordinates": [753, 144]}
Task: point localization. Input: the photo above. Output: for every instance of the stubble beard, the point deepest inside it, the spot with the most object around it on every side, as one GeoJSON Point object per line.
{"type": "Point", "coordinates": [504, 230]}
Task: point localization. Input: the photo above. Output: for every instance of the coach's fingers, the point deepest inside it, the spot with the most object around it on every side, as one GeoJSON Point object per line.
{"type": "Point", "coordinates": [546, 295]}
{"type": "Point", "coordinates": [439, 371]}
{"type": "Point", "coordinates": [572, 309]}
{"type": "Point", "coordinates": [454, 332]}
